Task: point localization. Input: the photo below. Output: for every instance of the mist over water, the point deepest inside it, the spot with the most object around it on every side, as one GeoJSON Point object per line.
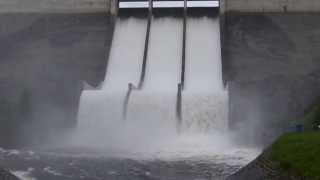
{"type": "Point", "coordinates": [150, 131]}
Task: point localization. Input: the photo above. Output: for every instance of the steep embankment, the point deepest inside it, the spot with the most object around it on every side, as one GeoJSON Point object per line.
{"type": "Point", "coordinates": [292, 156]}
{"type": "Point", "coordinates": [297, 154]}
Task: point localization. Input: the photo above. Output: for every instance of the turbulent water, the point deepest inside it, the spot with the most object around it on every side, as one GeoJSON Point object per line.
{"type": "Point", "coordinates": [205, 100]}
{"type": "Point", "coordinates": [100, 113]}
{"type": "Point", "coordinates": [146, 145]}
{"type": "Point", "coordinates": [149, 132]}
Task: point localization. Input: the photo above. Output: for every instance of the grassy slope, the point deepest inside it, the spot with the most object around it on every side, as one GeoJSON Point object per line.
{"type": "Point", "coordinates": [298, 154]}
{"type": "Point", "coordinates": [294, 156]}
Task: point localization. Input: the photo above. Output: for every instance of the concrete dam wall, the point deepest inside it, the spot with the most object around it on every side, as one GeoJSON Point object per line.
{"type": "Point", "coordinates": [54, 6]}
{"type": "Point", "coordinates": [85, 6]}
{"type": "Point", "coordinates": [270, 5]}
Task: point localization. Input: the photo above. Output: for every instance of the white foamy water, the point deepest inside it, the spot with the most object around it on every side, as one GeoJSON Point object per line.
{"type": "Point", "coordinates": [205, 133]}
{"type": "Point", "coordinates": [205, 101]}
{"type": "Point", "coordinates": [149, 132]}
{"type": "Point", "coordinates": [100, 111]}
{"type": "Point", "coordinates": [153, 108]}
{"type": "Point", "coordinates": [24, 175]}
{"type": "Point", "coordinates": [203, 56]}
{"type": "Point", "coordinates": [126, 54]}
{"type": "Point", "coordinates": [164, 56]}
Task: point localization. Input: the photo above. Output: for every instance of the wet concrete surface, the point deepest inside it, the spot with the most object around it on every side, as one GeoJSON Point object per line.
{"type": "Point", "coordinates": [44, 60]}
{"type": "Point", "coordinates": [271, 64]}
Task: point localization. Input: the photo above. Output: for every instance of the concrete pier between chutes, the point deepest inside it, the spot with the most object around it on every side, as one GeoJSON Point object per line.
{"type": "Point", "coordinates": [144, 88]}
{"type": "Point", "coordinates": [162, 95]}
{"type": "Point", "coordinates": [159, 12]}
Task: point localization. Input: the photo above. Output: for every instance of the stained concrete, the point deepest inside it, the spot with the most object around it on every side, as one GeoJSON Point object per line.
{"type": "Point", "coordinates": [271, 64]}
{"type": "Point", "coordinates": [44, 61]}
{"type": "Point", "coordinates": [110, 6]}
{"type": "Point", "coordinates": [55, 6]}
{"type": "Point", "coordinates": [261, 6]}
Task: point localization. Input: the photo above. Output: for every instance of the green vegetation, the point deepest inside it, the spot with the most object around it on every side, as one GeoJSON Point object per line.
{"type": "Point", "coordinates": [311, 119]}
{"type": "Point", "coordinates": [298, 154]}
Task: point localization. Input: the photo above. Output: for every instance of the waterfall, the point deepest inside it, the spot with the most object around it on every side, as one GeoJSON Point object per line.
{"type": "Point", "coordinates": [205, 101]}
{"type": "Point", "coordinates": [100, 112]}
{"type": "Point", "coordinates": [150, 127]}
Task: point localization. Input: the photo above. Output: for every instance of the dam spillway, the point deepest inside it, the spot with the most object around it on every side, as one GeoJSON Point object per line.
{"type": "Point", "coordinates": [151, 114]}
{"type": "Point", "coordinates": [123, 66]}
{"type": "Point", "coordinates": [238, 55]}
{"type": "Point", "coordinates": [148, 143]}
{"type": "Point", "coordinates": [205, 100]}
{"type": "Point", "coordinates": [152, 109]}
{"type": "Point", "coordinates": [154, 104]}
{"type": "Point", "coordinates": [143, 85]}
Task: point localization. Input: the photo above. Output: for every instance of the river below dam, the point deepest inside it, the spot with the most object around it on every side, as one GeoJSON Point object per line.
{"type": "Point", "coordinates": [74, 165]}
{"type": "Point", "coordinates": [59, 94]}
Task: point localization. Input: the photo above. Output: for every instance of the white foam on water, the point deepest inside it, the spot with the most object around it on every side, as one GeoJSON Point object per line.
{"type": "Point", "coordinates": [24, 175]}
{"type": "Point", "coordinates": [205, 133]}
{"type": "Point", "coordinates": [151, 113]}
{"type": "Point", "coordinates": [100, 111]}
{"type": "Point", "coordinates": [203, 147]}
{"type": "Point", "coordinates": [149, 132]}
{"type": "Point", "coordinates": [153, 108]}
{"type": "Point", "coordinates": [52, 171]}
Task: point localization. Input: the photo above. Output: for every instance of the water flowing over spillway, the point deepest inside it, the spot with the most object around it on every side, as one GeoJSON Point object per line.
{"type": "Point", "coordinates": [205, 101]}
{"type": "Point", "coordinates": [152, 110]}
{"type": "Point", "coordinates": [164, 55]}
{"type": "Point", "coordinates": [150, 129]}
{"type": "Point", "coordinates": [101, 110]}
